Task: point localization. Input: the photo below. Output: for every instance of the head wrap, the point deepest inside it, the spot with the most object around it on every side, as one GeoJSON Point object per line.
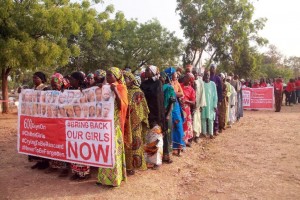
{"type": "Point", "coordinates": [79, 76]}
{"type": "Point", "coordinates": [90, 75]}
{"type": "Point", "coordinates": [117, 73]}
{"type": "Point", "coordinates": [213, 65]}
{"type": "Point", "coordinates": [155, 71]}
{"type": "Point", "coordinates": [222, 75]}
{"type": "Point", "coordinates": [100, 73]}
{"type": "Point", "coordinates": [131, 78]}
{"type": "Point", "coordinates": [83, 73]}
{"type": "Point", "coordinates": [57, 78]}
{"type": "Point", "coordinates": [41, 75]}
{"type": "Point", "coordinates": [191, 76]}
{"type": "Point", "coordinates": [170, 71]}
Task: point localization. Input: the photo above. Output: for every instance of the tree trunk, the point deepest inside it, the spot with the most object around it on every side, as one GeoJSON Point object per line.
{"type": "Point", "coordinates": [4, 76]}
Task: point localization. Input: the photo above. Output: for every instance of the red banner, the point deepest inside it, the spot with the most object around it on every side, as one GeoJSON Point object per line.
{"type": "Point", "coordinates": [63, 131]}
{"type": "Point", "coordinates": [258, 98]}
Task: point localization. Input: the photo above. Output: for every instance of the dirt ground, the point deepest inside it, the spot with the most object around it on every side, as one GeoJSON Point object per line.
{"type": "Point", "coordinates": [258, 158]}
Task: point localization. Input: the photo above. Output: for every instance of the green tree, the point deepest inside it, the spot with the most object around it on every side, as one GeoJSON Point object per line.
{"type": "Point", "coordinates": [293, 63]}
{"type": "Point", "coordinates": [221, 28]}
{"type": "Point", "coordinates": [146, 43]}
{"type": "Point", "coordinates": [273, 64]}
{"type": "Point", "coordinates": [39, 33]}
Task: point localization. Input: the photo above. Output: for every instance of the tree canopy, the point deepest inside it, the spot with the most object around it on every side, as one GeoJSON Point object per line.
{"type": "Point", "coordinates": [224, 29]}
{"type": "Point", "coordinates": [67, 36]}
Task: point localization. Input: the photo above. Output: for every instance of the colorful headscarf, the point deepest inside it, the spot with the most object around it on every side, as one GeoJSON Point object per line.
{"type": "Point", "coordinates": [57, 78]}
{"type": "Point", "coordinates": [191, 76]}
{"type": "Point", "coordinates": [100, 73]}
{"type": "Point", "coordinates": [90, 75]}
{"type": "Point", "coordinates": [118, 74]}
{"type": "Point", "coordinates": [131, 77]}
{"type": "Point", "coordinates": [170, 71]}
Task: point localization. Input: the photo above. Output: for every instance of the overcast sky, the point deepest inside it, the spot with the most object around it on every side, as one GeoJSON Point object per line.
{"type": "Point", "coordinates": [282, 28]}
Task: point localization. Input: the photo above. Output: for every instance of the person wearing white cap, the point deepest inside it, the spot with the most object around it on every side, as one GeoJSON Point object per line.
{"type": "Point", "coordinates": [199, 104]}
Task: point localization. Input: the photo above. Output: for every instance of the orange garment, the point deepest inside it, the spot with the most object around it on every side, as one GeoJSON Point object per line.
{"type": "Point", "coordinates": [122, 89]}
{"type": "Point", "coordinates": [177, 87]}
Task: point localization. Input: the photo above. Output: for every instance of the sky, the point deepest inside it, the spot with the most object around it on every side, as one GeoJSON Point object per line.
{"type": "Point", "coordinates": [282, 28]}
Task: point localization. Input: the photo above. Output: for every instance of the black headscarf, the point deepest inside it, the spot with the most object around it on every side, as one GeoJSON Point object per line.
{"type": "Point", "coordinates": [41, 75]}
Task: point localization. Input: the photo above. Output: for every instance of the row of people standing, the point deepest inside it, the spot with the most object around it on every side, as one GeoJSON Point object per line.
{"type": "Point", "coordinates": [153, 119]}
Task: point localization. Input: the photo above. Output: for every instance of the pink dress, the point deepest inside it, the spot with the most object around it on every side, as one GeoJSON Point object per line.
{"type": "Point", "coordinates": [190, 95]}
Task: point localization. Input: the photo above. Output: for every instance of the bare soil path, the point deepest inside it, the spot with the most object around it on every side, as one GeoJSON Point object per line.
{"type": "Point", "coordinates": [259, 158]}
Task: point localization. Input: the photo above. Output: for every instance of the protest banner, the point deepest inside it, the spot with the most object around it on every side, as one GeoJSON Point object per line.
{"type": "Point", "coordinates": [258, 98]}
{"type": "Point", "coordinates": [70, 126]}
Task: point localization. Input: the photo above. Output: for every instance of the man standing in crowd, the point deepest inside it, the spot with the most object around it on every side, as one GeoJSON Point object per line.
{"type": "Point", "coordinates": [199, 104]}
{"type": "Point", "coordinates": [278, 89]}
{"type": "Point", "coordinates": [208, 113]}
{"type": "Point", "coordinates": [217, 80]}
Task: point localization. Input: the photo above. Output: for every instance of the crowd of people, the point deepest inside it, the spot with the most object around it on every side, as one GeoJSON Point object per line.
{"type": "Point", "coordinates": [157, 114]}
{"type": "Point", "coordinates": [291, 89]}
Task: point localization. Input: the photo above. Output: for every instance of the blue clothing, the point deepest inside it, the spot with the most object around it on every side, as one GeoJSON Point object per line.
{"type": "Point", "coordinates": [177, 132]}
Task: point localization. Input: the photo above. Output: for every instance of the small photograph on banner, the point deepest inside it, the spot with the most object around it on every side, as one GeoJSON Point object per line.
{"type": "Point", "coordinates": [71, 126]}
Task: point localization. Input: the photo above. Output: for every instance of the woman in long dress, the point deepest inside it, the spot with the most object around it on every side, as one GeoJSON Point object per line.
{"type": "Point", "coordinates": [177, 114]}
{"type": "Point", "coordinates": [136, 126]}
{"type": "Point", "coordinates": [114, 176]}
{"type": "Point", "coordinates": [187, 101]}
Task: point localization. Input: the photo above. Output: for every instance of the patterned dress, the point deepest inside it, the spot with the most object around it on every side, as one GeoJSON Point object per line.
{"type": "Point", "coordinates": [135, 129]}
{"type": "Point", "coordinates": [114, 176]}
{"type": "Point", "coordinates": [190, 95]}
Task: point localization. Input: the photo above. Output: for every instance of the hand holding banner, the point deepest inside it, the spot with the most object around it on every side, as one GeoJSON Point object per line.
{"type": "Point", "coordinates": [72, 126]}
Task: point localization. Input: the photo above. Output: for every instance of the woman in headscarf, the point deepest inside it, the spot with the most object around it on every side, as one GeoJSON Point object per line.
{"type": "Point", "coordinates": [169, 100]}
{"type": "Point", "coordinates": [117, 174]}
{"type": "Point", "coordinates": [99, 76]}
{"type": "Point", "coordinates": [153, 91]}
{"type": "Point", "coordinates": [58, 83]}
{"type": "Point", "coordinates": [80, 172]}
{"type": "Point", "coordinates": [90, 80]}
{"type": "Point", "coordinates": [39, 79]}
{"type": "Point", "coordinates": [136, 125]}
{"type": "Point", "coordinates": [187, 101]}
{"type": "Point", "coordinates": [177, 115]}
